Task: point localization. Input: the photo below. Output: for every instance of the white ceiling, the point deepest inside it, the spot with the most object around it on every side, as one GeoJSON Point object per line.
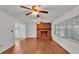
{"type": "Point", "coordinates": [54, 11]}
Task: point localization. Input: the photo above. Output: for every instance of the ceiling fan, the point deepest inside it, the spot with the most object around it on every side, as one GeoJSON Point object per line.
{"type": "Point", "coordinates": [35, 9]}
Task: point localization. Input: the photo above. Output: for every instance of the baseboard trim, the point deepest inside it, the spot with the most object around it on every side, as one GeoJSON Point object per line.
{"type": "Point", "coordinates": [61, 46]}
{"type": "Point", "coordinates": [7, 49]}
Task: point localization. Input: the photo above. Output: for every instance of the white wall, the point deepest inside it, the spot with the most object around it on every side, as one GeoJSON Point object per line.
{"type": "Point", "coordinates": [31, 29]}
{"type": "Point", "coordinates": [68, 45]}
{"type": "Point", "coordinates": [7, 38]}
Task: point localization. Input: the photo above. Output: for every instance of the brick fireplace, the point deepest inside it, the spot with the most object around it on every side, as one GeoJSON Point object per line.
{"type": "Point", "coordinates": [44, 30]}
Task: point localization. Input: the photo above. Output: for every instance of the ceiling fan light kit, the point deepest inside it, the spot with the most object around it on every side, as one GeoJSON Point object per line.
{"type": "Point", "coordinates": [34, 13]}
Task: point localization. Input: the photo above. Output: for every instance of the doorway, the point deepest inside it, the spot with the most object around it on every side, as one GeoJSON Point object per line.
{"type": "Point", "coordinates": [20, 33]}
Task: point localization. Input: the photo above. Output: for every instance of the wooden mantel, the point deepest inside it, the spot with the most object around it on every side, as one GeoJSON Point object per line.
{"type": "Point", "coordinates": [44, 30]}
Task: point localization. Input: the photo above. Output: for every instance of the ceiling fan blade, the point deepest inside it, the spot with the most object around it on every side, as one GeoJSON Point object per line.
{"type": "Point", "coordinates": [43, 11]}
{"type": "Point", "coordinates": [25, 7]}
{"type": "Point", "coordinates": [29, 13]}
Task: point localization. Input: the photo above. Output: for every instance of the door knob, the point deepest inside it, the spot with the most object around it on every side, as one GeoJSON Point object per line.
{"type": "Point", "coordinates": [11, 30]}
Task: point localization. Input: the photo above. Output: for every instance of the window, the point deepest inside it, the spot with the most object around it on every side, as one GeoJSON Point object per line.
{"type": "Point", "coordinates": [62, 28]}
{"type": "Point", "coordinates": [75, 27]}
{"type": "Point", "coordinates": [68, 29]}
{"type": "Point", "coordinates": [57, 30]}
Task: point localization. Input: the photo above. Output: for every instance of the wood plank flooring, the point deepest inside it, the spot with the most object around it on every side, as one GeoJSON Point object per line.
{"type": "Point", "coordinates": [34, 46]}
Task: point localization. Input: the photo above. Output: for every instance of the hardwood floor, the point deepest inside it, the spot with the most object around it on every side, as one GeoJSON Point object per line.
{"type": "Point", "coordinates": [34, 46]}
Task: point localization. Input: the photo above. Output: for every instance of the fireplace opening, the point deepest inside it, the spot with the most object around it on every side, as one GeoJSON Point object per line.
{"type": "Point", "coordinates": [44, 33]}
